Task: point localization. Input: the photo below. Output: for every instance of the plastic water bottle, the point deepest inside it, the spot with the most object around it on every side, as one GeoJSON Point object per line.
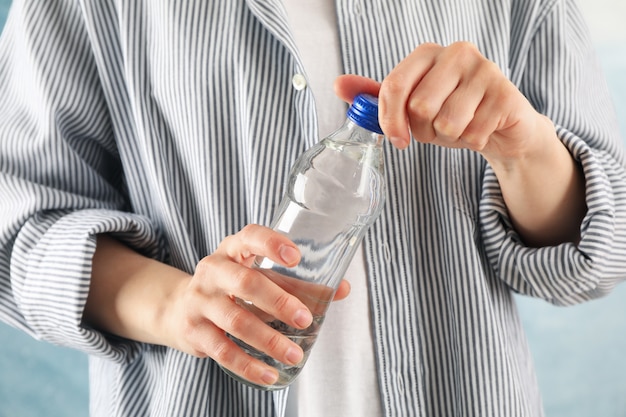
{"type": "Point", "coordinates": [336, 190]}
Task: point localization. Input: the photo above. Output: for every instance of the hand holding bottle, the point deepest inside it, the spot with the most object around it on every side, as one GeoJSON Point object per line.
{"type": "Point", "coordinates": [145, 300]}
{"type": "Point", "coordinates": [208, 306]}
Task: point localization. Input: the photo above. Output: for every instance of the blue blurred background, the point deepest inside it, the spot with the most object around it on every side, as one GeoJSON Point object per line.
{"type": "Point", "coordinates": [580, 352]}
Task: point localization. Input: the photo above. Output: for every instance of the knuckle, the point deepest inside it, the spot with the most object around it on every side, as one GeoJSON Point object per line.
{"type": "Point", "coordinates": [189, 339]}
{"type": "Point", "coordinates": [282, 301]}
{"type": "Point", "coordinates": [224, 245]}
{"type": "Point", "coordinates": [447, 126]}
{"type": "Point", "coordinates": [272, 242]}
{"type": "Point", "coordinates": [188, 327]}
{"type": "Point", "coordinates": [474, 140]}
{"type": "Point", "coordinates": [274, 342]}
{"type": "Point", "coordinates": [428, 48]}
{"type": "Point", "coordinates": [421, 109]}
{"type": "Point", "coordinates": [489, 68]}
{"type": "Point", "coordinates": [465, 49]}
{"type": "Point", "coordinates": [489, 73]}
{"type": "Point", "coordinates": [237, 320]}
{"type": "Point", "coordinates": [244, 232]}
{"type": "Point", "coordinates": [197, 351]}
{"type": "Point", "coordinates": [223, 353]}
{"type": "Point", "coordinates": [248, 231]}
{"type": "Point", "coordinates": [476, 144]}
{"type": "Point", "coordinates": [247, 369]}
{"type": "Point", "coordinates": [246, 279]}
{"type": "Point", "coordinates": [202, 266]}
{"type": "Point", "coordinates": [392, 86]}
{"type": "Point", "coordinates": [467, 56]}
{"type": "Point", "coordinates": [430, 45]}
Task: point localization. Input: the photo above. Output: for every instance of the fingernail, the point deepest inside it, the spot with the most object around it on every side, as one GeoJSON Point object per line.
{"type": "Point", "coordinates": [398, 142]}
{"type": "Point", "coordinates": [303, 318]}
{"type": "Point", "coordinates": [269, 377]}
{"type": "Point", "coordinates": [289, 254]}
{"type": "Point", "coordinates": [294, 356]}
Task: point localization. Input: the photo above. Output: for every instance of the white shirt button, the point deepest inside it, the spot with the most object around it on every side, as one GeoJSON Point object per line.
{"type": "Point", "coordinates": [400, 384]}
{"type": "Point", "coordinates": [386, 252]}
{"type": "Point", "coordinates": [299, 82]}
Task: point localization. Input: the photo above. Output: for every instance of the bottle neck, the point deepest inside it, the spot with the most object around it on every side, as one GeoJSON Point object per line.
{"type": "Point", "coordinates": [352, 132]}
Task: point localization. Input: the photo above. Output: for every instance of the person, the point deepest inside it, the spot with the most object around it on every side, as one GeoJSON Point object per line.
{"type": "Point", "coordinates": [144, 145]}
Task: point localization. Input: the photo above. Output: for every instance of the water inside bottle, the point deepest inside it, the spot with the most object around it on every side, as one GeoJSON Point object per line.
{"type": "Point", "coordinates": [317, 299]}
{"type": "Point", "coordinates": [305, 338]}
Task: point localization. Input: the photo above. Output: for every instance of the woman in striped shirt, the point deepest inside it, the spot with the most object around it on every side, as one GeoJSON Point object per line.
{"type": "Point", "coordinates": [143, 144]}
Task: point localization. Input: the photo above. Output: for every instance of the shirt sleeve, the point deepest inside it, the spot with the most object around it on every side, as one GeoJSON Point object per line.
{"type": "Point", "coordinates": [61, 179]}
{"type": "Point", "coordinates": [563, 80]}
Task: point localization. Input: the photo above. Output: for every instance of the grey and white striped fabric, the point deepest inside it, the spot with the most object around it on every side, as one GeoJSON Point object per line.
{"type": "Point", "coordinates": [173, 124]}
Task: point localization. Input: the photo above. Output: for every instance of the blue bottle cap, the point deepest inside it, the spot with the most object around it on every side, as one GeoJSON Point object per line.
{"type": "Point", "coordinates": [364, 112]}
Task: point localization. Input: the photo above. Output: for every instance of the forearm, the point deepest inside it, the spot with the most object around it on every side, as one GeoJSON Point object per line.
{"type": "Point", "coordinates": [129, 293]}
{"type": "Point", "coordinates": [544, 192]}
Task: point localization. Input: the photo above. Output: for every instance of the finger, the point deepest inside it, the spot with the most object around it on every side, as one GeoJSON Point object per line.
{"type": "Point", "coordinates": [343, 290]}
{"type": "Point", "coordinates": [211, 341]}
{"type": "Point", "coordinates": [425, 105]}
{"type": "Point", "coordinates": [485, 122]}
{"type": "Point", "coordinates": [246, 326]}
{"type": "Point", "coordinates": [494, 102]}
{"type": "Point", "coordinates": [349, 86]}
{"type": "Point", "coordinates": [444, 102]}
{"type": "Point", "coordinates": [396, 90]}
{"type": "Point", "coordinates": [255, 240]}
{"type": "Point", "coordinates": [457, 113]}
{"type": "Point", "coordinates": [252, 285]}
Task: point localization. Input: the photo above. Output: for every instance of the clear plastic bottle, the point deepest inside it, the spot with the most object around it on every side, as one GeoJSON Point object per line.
{"type": "Point", "coordinates": [336, 190]}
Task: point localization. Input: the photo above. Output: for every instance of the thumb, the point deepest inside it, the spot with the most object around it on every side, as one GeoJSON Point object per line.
{"type": "Point", "coordinates": [349, 85]}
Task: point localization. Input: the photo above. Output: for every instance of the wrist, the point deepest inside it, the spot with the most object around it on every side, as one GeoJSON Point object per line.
{"type": "Point", "coordinates": [539, 148]}
{"type": "Point", "coordinates": [130, 295]}
{"type": "Point", "coordinates": [168, 315]}
{"type": "Point", "coordinates": [543, 188]}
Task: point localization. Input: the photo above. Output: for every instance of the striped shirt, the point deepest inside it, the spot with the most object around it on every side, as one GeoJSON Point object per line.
{"type": "Point", "coordinates": [173, 124]}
